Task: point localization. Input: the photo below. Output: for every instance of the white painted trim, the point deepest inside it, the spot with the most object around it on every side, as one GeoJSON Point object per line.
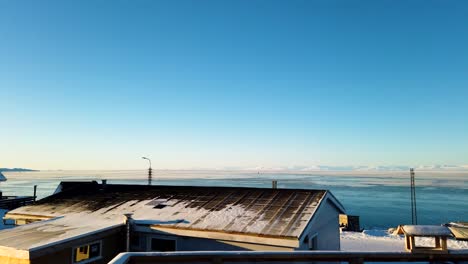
{"type": "Point", "coordinates": [336, 203]}
{"type": "Point", "coordinates": [326, 197]}
{"type": "Point", "coordinates": [272, 241]}
{"type": "Point", "coordinates": [311, 238]}
{"type": "Point", "coordinates": [82, 235]}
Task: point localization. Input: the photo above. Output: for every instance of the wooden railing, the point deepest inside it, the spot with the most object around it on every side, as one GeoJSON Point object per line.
{"type": "Point", "coordinates": [219, 257]}
{"type": "Point", "coordinates": [12, 202]}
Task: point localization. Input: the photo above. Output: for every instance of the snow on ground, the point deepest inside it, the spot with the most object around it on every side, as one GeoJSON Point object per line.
{"type": "Point", "coordinates": [380, 240]}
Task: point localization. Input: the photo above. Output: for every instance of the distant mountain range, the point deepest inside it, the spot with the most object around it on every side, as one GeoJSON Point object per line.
{"type": "Point", "coordinates": [363, 168]}
{"type": "Point", "coordinates": [15, 169]}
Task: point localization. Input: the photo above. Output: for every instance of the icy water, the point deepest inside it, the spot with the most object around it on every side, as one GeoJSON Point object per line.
{"type": "Point", "coordinates": [380, 199]}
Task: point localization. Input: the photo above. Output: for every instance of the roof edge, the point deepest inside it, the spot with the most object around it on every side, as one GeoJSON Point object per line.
{"type": "Point", "coordinates": [11, 252]}
{"type": "Point", "coordinates": [336, 202]}
{"type": "Point", "coordinates": [291, 242]}
{"type": "Point", "coordinates": [327, 196]}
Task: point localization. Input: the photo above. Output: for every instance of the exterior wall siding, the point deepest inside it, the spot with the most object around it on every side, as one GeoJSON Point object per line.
{"type": "Point", "coordinates": [204, 244]}
{"type": "Point", "coordinates": [112, 244]}
{"type": "Point", "coordinates": [325, 225]}
{"type": "Point", "coordinates": [13, 260]}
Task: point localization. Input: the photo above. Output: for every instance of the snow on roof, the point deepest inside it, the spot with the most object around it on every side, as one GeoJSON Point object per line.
{"type": "Point", "coordinates": [267, 212]}
{"type": "Point", "coordinates": [426, 230]}
{"type": "Point", "coordinates": [36, 235]}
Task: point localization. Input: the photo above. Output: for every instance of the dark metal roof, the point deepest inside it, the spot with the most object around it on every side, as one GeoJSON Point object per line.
{"type": "Point", "coordinates": [258, 211]}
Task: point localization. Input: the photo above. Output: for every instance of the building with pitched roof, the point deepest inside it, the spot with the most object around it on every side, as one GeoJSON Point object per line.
{"type": "Point", "coordinates": [84, 222]}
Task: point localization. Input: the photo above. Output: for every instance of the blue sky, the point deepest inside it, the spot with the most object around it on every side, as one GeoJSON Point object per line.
{"type": "Point", "coordinates": [214, 84]}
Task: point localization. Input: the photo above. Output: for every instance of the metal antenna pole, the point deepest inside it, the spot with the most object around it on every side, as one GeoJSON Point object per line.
{"type": "Point", "coordinates": [414, 215]}
{"type": "Point", "coordinates": [411, 190]}
{"type": "Point", "coordinates": [150, 170]}
{"type": "Point", "coordinates": [150, 175]}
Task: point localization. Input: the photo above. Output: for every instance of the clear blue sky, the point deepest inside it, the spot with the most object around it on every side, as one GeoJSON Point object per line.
{"type": "Point", "coordinates": [211, 84]}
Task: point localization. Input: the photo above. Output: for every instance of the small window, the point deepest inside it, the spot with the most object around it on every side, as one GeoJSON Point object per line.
{"type": "Point", "coordinates": [87, 253]}
{"type": "Point", "coordinates": [162, 245]}
{"type": "Point", "coordinates": [159, 206]}
{"type": "Point", "coordinates": [21, 221]}
{"type": "Point", "coordinates": [313, 242]}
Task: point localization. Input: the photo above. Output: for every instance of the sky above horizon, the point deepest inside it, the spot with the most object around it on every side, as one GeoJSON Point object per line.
{"type": "Point", "coordinates": [232, 84]}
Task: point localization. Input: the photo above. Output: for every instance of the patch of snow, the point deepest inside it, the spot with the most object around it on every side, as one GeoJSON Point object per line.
{"type": "Point", "coordinates": [425, 230]}
{"type": "Point", "coordinates": [455, 224]}
{"type": "Point", "coordinates": [380, 240]}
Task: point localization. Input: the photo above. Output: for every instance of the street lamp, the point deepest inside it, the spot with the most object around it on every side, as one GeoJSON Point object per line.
{"type": "Point", "coordinates": [150, 171]}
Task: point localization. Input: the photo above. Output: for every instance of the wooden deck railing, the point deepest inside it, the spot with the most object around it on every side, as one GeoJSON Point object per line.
{"type": "Point", "coordinates": [219, 257]}
{"type": "Point", "coordinates": [12, 202]}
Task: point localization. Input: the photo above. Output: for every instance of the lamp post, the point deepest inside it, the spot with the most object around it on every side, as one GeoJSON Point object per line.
{"type": "Point", "coordinates": [150, 171]}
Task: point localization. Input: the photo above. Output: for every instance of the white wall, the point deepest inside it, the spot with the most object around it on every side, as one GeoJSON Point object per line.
{"type": "Point", "coordinates": [325, 224]}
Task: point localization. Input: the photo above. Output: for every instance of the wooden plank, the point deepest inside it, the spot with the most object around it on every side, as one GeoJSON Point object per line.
{"type": "Point", "coordinates": [275, 219]}
{"type": "Point", "coordinates": [259, 213]}
{"type": "Point", "coordinates": [212, 208]}
{"type": "Point", "coordinates": [260, 194]}
{"type": "Point", "coordinates": [298, 215]}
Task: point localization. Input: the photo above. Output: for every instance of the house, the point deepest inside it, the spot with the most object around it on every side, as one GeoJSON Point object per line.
{"type": "Point", "coordinates": [8, 202]}
{"type": "Point", "coordinates": [459, 230]}
{"type": "Point", "coordinates": [85, 222]}
{"type": "Point", "coordinates": [2, 177]}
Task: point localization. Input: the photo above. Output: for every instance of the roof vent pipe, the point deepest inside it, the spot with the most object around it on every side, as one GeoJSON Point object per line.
{"type": "Point", "coordinates": [274, 184]}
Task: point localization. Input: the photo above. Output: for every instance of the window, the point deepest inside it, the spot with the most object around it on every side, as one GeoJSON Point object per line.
{"type": "Point", "coordinates": [158, 244]}
{"type": "Point", "coordinates": [313, 242]}
{"type": "Point", "coordinates": [87, 253]}
{"type": "Point", "coordinates": [159, 206]}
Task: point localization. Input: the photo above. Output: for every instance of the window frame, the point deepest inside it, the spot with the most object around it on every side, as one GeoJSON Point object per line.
{"type": "Point", "coordinates": [310, 244]}
{"type": "Point", "coordinates": [90, 259]}
{"type": "Point", "coordinates": [149, 240]}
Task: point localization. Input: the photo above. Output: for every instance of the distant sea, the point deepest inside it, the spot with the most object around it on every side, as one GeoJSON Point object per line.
{"type": "Point", "coordinates": [381, 199]}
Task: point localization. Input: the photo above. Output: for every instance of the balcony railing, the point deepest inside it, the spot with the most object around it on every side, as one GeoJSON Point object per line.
{"type": "Point", "coordinates": [219, 257]}
{"type": "Point", "coordinates": [12, 202]}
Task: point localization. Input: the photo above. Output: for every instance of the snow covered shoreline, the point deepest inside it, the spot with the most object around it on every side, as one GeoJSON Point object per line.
{"type": "Point", "coordinates": [380, 240]}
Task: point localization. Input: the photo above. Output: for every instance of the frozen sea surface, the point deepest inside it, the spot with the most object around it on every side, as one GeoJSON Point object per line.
{"type": "Point", "coordinates": [380, 199]}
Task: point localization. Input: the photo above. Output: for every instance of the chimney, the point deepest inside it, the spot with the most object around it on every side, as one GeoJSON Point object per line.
{"type": "Point", "coordinates": [104, 184]}
{"type": "Point", "coordinates": [274, 184]}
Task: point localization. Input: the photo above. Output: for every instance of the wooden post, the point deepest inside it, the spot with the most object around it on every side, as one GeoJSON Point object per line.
{"type": "Point", "coordinates": [35, 191]}
{"type": "Point", "coordinates": [437, 242]}
{"type": "Point", "coordinates": [444, 243]}
{"type": "Point", "coordinates": [407, 243]}
{"type": "Point", "coordinates": [413, 242]}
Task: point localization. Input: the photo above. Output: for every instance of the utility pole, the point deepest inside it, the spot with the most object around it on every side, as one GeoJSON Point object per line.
{"type": "Point", "coordinates": [414, 215]}
{"type": "Point", "coordinates": [150, 170]}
